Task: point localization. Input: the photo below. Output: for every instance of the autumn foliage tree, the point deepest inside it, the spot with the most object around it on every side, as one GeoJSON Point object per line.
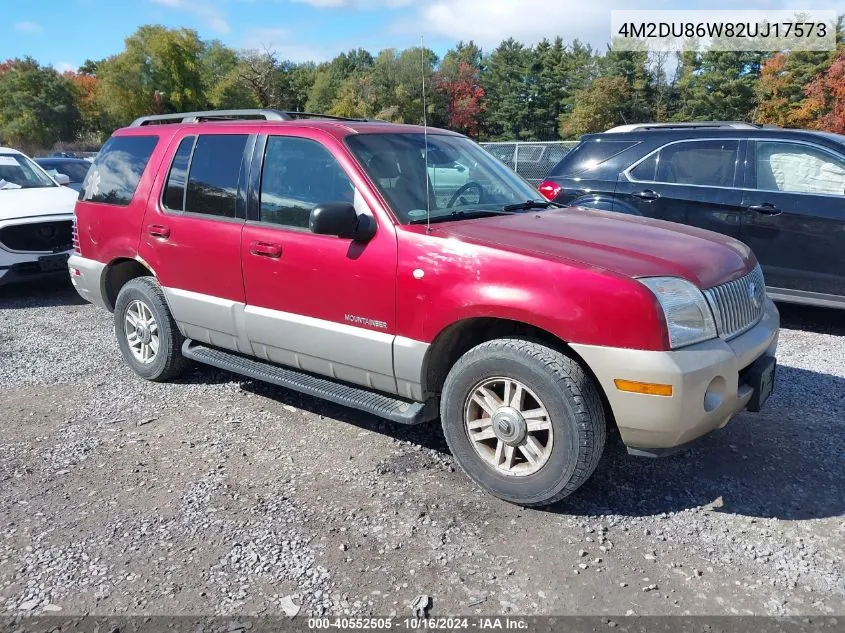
{"type": "Point", "coordinates": [464, 99]}
{"type": "Point", "coordinates": [826, 98]}
{"type": "Point", "coordinates": [37, 104]}
{"type": "Point", "coordinates": [782, 87]}
{"type": "Point", "coordinates": [803, 89]}
{"type": "Point", "coordinates": [774, 87]}
{"type": "Point", "coordinates": [542, 91]}
{"type": "Point", "coordinates": [86, 91]}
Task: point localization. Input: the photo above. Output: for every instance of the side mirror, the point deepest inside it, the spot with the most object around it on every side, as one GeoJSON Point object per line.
{"type": "Point", "coordinates": [341, 219]}
{"type": "Point", "coordinates": [62, 179]}
{"type": "Point", "coordinates": [460, 167]}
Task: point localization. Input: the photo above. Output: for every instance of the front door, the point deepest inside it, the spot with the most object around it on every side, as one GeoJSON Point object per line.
{"type": "Point", "coordinates": [191, 236]}
{"type": "Point", "coordinates": [318, 303]}
{"type": "Point", "coordinates": [795, 219]}
{"type": "Point", "coordinates": [690, 182]}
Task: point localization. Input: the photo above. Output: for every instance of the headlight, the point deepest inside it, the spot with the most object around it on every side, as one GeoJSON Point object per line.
{"type": "Point", "coordinates": [688, 317]}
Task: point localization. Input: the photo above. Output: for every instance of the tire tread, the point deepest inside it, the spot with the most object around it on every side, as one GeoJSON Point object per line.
{"type": "Point", "coordinates": [175, 364]}
{"type": "Point", "coordinates": [586, 401]}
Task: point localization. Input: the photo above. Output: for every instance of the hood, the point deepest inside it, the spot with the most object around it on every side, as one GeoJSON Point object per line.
{"type": "Point", "coordinates": [30, 203]}
{"type": "Point", "coordinates": [627, 245]}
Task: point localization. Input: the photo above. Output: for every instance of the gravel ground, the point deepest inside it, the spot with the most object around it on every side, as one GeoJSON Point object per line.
{"type": "Point", "coordinates": [218, 495]}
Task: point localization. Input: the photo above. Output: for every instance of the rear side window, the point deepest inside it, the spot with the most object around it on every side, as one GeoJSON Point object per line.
{"type": "Point", "coordinates": [588, 155]}
{"type": "Point", "coordinates": [117, 170]}
{"type": "Point", "coordinates": [710, 163]}
{"type": "Point", "coordinates": [215, 173]}
{"type": "Point", "coordinates": [174, 189]}
{"type": "Point", "coordinates": [799, 168]}
{"type": "Point", "coordinates": [647, 169]}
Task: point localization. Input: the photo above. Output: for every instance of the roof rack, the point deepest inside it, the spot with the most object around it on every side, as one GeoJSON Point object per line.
{"type": "Point", "coordinates": [232, 115]}
{"type": "Point", "coordinates": [709, 125]}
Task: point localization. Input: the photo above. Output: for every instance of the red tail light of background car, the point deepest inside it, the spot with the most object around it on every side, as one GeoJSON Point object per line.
{"type": "Point", "coordinates": [549, 189]}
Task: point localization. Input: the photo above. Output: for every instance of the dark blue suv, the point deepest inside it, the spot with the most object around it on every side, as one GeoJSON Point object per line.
{"type": "Point", "coordinates": [780, 191]}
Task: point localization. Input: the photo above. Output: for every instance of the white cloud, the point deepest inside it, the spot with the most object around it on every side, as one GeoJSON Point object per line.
{"type": "Point", "coordinates": [280, 41]}
{"type": "Point", "coordinates": [210, 15]}
{"type": "Point", "coordinates": [323, 4]}
{"type": "Point", "coordinates": [488, 22]}
{"type": "Point", "coordinates": [356, 4]}
{"type": "Point", "coordinates": [64, 67]}
{"type": "Point", "coordinates": [28, 27]}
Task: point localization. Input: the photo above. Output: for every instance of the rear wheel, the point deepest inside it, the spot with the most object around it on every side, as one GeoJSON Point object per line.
{"type": "Point", "coordinates": [146, 332]}
{"type": "Point", "coordinates": [524, 421]}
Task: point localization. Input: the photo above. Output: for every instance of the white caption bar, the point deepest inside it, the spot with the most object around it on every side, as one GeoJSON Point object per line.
{"type": "Point", "coordinates": [702, 30]}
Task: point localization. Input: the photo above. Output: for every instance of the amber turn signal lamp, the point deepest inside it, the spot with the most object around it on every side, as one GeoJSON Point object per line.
{"type": "Point", "coordinates": [648, 388]}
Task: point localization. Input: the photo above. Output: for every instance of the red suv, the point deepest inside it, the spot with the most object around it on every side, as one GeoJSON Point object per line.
{"type": "Point", "coordinates": [324, 256]}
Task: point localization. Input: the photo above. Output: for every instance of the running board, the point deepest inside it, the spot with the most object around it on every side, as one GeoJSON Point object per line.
{"type": "Point", "coordinates": [393, 409]}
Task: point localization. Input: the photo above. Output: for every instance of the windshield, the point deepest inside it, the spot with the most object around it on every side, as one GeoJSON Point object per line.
{"type": "Point", "coordinates": [462, 179]}
{"type": "Point", "coordinates": [76, 171]}
{"type": "Point", "coordinates": [18, 172]}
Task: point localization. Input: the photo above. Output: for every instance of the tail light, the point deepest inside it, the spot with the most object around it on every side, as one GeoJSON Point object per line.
{"type": "Point", "coordinates": [549, 189]}
{"type": "Point", "coordinates": [75, 235]}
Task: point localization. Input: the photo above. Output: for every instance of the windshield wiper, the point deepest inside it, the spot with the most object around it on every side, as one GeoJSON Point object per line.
{"type": "Point", "coordinates": [531, 204]}
{"type": "Point", "coordinates": [469, 213]}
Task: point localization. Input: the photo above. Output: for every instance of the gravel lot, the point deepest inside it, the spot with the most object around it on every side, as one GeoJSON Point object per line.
{"type": "Point", "coordinates": [217, 495]}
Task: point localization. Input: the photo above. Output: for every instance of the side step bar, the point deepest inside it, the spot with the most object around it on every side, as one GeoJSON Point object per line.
{"type": "Point", "coordinates": [393, 409]}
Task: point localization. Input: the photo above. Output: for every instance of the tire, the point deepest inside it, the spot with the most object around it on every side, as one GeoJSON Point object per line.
{"type": "Point", "coordinates": [143, 296]}
{"type": "Point", "coordinates": [564, 391]}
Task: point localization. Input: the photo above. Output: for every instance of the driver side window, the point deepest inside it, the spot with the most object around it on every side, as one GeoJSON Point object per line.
{"type": "Point", "coordinates": [297, 175]}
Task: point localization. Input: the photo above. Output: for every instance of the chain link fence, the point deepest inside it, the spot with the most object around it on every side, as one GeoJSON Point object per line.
{"type": "Point", "coordinates": [531, 160]}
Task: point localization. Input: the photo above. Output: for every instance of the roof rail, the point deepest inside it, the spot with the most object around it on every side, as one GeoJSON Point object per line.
{"type": "Point", "coordinates": [316, 115]}
{"type": "Point", "coordinates": [733, 125]}
{"type": "Point", "coordinates": [229, 115]}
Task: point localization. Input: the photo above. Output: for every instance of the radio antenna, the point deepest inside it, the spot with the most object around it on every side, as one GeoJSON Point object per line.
{"type": "Point", "coordinates": [425, 139]}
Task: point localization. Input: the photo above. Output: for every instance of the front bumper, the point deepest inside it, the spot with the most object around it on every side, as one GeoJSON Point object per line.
{"type": "Point", "coordinates": [24, 272]}
{"type": "Point", "coordinates": [86, 275]}
{"type": "Point", "coordinates": [707, 389]}
{"type": "Point", "coordinates": [17, 264]}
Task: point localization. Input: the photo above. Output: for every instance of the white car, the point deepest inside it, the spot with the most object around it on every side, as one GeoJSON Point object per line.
{"type": "Point", "coordinates": [36, 219]}
{"type": "Point", "coordinates": [450, 176]}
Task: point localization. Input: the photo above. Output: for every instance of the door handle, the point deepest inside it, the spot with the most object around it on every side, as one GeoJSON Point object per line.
{"type": "Point", "coordinates": [766, 208]}
{"type": "Point", "coordinates": [266, 249]}
{"type": "Point", "coordinates": [648, 194]}
{"type": "Point", "coordinates": [158, 230]}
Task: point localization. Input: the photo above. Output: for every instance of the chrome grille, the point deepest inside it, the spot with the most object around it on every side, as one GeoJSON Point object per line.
{"type": "Point", "coordinates": [739, 304]}
{"type": "Point", "coordinates": [52, 236]}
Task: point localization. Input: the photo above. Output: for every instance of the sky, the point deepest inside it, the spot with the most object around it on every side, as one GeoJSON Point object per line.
{"type": "Point", "coordinates": [64, 33]}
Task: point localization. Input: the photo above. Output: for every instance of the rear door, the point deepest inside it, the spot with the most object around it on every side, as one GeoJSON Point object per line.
{"type": "Point", "coordinates": [320, 303]}
{"type": "Point", "coordinates": [692, 182]}
{"type": "Point", "coordinates": [191, 236]}
{"type": "Point", "coordinates": [794, 217]}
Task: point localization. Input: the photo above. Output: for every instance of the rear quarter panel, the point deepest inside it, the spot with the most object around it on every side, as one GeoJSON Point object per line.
{"type": "Point", "coordinates": [592, 188]}
{"type": "Point", "coordinates": [108, 232]}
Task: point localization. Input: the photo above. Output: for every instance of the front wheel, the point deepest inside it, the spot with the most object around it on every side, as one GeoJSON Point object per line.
{"type": "Point", "coordinates": [146, 332]}
{"type": "Point", "coordinates": [523, 420]}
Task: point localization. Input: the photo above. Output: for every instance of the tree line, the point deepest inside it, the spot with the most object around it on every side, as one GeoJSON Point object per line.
{"type": "Point", "coordinates": [551, 90]}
